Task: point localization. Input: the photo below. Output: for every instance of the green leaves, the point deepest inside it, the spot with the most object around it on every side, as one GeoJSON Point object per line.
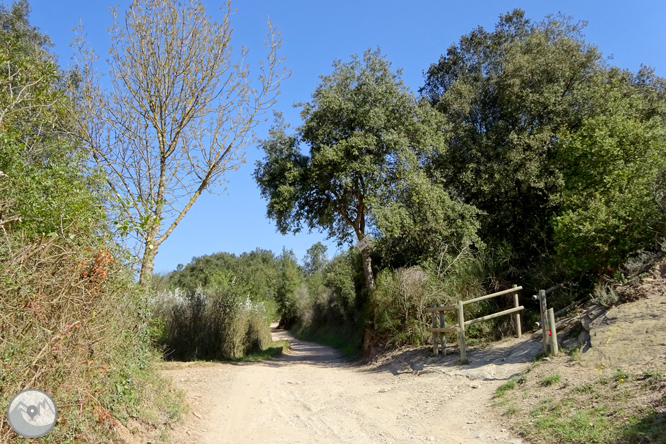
{"type": "Point", "coordinates": [507, 95]}
{"type": "Point", "coordinates": [611, 167]}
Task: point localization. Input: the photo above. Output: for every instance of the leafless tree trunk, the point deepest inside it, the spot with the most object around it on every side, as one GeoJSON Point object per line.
{"type": "Point", "coordinates": [178, 115]}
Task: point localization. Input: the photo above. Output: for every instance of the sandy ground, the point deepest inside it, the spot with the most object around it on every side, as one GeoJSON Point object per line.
{"type": "Point", "coordinates": [312, 395]}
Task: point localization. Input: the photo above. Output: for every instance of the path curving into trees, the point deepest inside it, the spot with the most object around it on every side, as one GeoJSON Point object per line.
{"type": "Point", "coordinates": [313, 395]}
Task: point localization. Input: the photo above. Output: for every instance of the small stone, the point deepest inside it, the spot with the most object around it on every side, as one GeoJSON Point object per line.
{"type": "Point", "coordinates": [471, 422]}
{"type": "Point", "coordinates": [475, 386]}
{"type": "Point", "coordinates": [478, 435]}
{"type": "Point", "coordinates": [382, 390]}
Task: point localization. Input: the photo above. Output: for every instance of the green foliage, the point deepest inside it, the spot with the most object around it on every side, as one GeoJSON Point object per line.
{"type": "Point", "coordinates": [71, 318]}
{"type": "Point", "coordinates": [550, 380]}
{"type": "Point", "coordinates": [605, 295]}
{"type": "Point", "coordinates": [332, 304]}
{"type": "Point", "coordinates": [611, 166]}
{"type": "Point", "coordinates": [290, 280]}
{"type": "Point", "coordinates": [315, 259]}
{"type": "Point", "coordinates": [42, 165]}
{"type": "Point", "coordinates": [398, 306]}
{"type": "Point", "coordinates": [507, 94]}
{"type": "Point", "coordinates": [502, 389]}
{"type": "Point", "coordinates": [217, 322]}
{"type": "Point", "coordinates": [259, 270]}
{"type": "Point", "coordinates": [422, 222]}
{"type": "Point", "coordinates": [366, 137]}
{"type": "Point", "coordinates": [220, 306]}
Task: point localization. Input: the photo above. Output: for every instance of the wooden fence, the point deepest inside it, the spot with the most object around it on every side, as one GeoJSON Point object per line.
{"type": "Point", "coordinates": [548, 319]}
{"type": "Point", "coordinates": [439, 330]}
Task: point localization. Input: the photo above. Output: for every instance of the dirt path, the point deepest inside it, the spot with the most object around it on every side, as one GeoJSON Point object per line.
{"type": "Point", "coordinates": [312, 395]}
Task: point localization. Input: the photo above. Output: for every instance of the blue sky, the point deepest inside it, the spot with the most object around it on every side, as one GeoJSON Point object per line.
{"type": "Point", "coordinates": [315, 32]}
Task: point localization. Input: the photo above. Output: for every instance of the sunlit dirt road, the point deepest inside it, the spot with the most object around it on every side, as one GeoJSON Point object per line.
{"type": "Point", "coordinates": [312, 395]}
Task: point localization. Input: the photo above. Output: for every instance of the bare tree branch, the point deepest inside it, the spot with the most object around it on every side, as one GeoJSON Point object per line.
{"type": "Point", "coordinates": [179, 112]}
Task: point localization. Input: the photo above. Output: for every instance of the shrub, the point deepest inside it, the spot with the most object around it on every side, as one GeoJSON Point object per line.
{"type": "Point", "coordinates": [211, 323]}
{"type": "Point", "coordinates": [605, 295]}
{"type": "Point", "coordinates": [73, 324]}
{"type": "Point", "coordinates": [398, 305]}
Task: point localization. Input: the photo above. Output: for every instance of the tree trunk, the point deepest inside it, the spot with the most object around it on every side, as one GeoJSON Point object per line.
{"type": "Point", "coordinates": [367, 270]}
{"type": "Point", "coordinates": [147, 264]}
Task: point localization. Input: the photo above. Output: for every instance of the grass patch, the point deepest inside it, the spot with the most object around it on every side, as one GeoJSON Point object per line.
{"type": "Point", "coordinates": [585, 388]}
{"type": "Point", "coordinates": [275, 349]}
{"type": "Point", "coordinates": [550, 380]}
{"type": "Point", "coordinates": [502, 389]}
{"type": "Point", "coordinates": [581, 427]}
{"type": "Point", "coordinates": [620, 408]}
{"type": "Point", "coordinates": [620, 375]}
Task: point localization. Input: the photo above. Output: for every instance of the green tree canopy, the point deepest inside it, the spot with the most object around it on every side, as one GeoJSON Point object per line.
{"type": "Point", "coordinates": [508, 94]}
{"type": "Point", "coordinates": [611, 167]}
{"type": "Point", "coordinates": [367, 138]}
{"type": "Point", "coordinates": [315, 259]}
{"type": "Point", "coordinates": [44, 170]}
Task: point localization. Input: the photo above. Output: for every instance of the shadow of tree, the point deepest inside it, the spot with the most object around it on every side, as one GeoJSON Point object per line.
{"type": "Point", "coordinates": [651, 429]}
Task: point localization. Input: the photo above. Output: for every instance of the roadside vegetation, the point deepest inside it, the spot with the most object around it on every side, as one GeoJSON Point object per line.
{"type": "Point", "coordinates": [584, 405]}
{"type": "Point", "coordinates": [73, 322]}
{"type": "Point", "coordinates": [525, 158]}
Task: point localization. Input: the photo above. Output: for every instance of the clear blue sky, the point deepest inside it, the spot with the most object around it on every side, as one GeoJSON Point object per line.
{"type": "Point", "coordinates": [315, 32]}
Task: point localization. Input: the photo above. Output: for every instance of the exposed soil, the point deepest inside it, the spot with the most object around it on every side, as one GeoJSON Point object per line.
{"type": "Point", "coordinates": [313, 395]}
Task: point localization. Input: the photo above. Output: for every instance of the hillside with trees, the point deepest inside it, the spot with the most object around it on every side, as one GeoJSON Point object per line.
{"type": "Point", "coordinates": [524, 158]}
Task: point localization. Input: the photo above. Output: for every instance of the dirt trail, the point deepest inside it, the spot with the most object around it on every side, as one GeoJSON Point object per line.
{"type": "Point", "coordinates": [312, 395]}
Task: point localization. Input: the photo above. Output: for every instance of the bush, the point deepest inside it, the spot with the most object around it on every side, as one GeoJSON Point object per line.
{"type": "Point", "coordinates": [73, 324]}
{"type": "Point", "coordinates": [212, 323]}
{"type": "Point", "coordinates": [398, 306]}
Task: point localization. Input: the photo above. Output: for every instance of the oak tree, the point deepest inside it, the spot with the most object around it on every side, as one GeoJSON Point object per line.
{"type": "Point", "coordinates": [367, 138]}
{"type": "Point", "coordinates": [507, 93]}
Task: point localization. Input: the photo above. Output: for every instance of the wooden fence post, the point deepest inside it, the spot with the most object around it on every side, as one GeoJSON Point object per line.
{"type": "Point", "coordinates": [461, 337]}
{"type": "Point", "coordinates": [516, 303]}
{"type": "Point", "coordinates": [434, 334]}
{"type": "Point", "coordinates": [553, 331]}
{"type": "Point", "coordinates": [544, 319]}
{"type": "Point", "coordinates": [442, 324]}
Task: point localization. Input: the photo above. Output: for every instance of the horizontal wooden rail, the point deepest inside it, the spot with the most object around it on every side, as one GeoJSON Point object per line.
{"type": "Point", "coordinates": [441, 308]}
{"type": "Point", "coordinates": [444, 330]}
{"type": "Point", "coordinates": [439, 330]}
{"type": "Point", "coordinates": [553, 288]}
{"type": "Point", "coordinates": [488, 296]}
{"type": "Point", "coordinates": [495, 315]}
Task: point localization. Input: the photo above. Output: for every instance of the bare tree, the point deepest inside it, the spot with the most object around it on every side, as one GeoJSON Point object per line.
{"type": "Point", "coordinates": [178, 114]}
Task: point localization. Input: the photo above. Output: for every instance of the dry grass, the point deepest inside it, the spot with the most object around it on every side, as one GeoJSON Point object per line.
{"type": "Point", "coordinates": [72, 323]}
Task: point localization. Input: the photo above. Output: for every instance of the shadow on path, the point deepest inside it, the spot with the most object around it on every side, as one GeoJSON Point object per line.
{"type": "Point", "coordinates": [305, 353]}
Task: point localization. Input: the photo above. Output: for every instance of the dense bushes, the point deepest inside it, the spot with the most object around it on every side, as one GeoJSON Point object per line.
{"type": "Point", "coordinates": [74, 325]}
{"type": "Point", "coordinates": [72, 321]}
{"type": "Point", "coordinates": [221, 306]}
{"type": "Point", "coordinates": [211, 323]}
